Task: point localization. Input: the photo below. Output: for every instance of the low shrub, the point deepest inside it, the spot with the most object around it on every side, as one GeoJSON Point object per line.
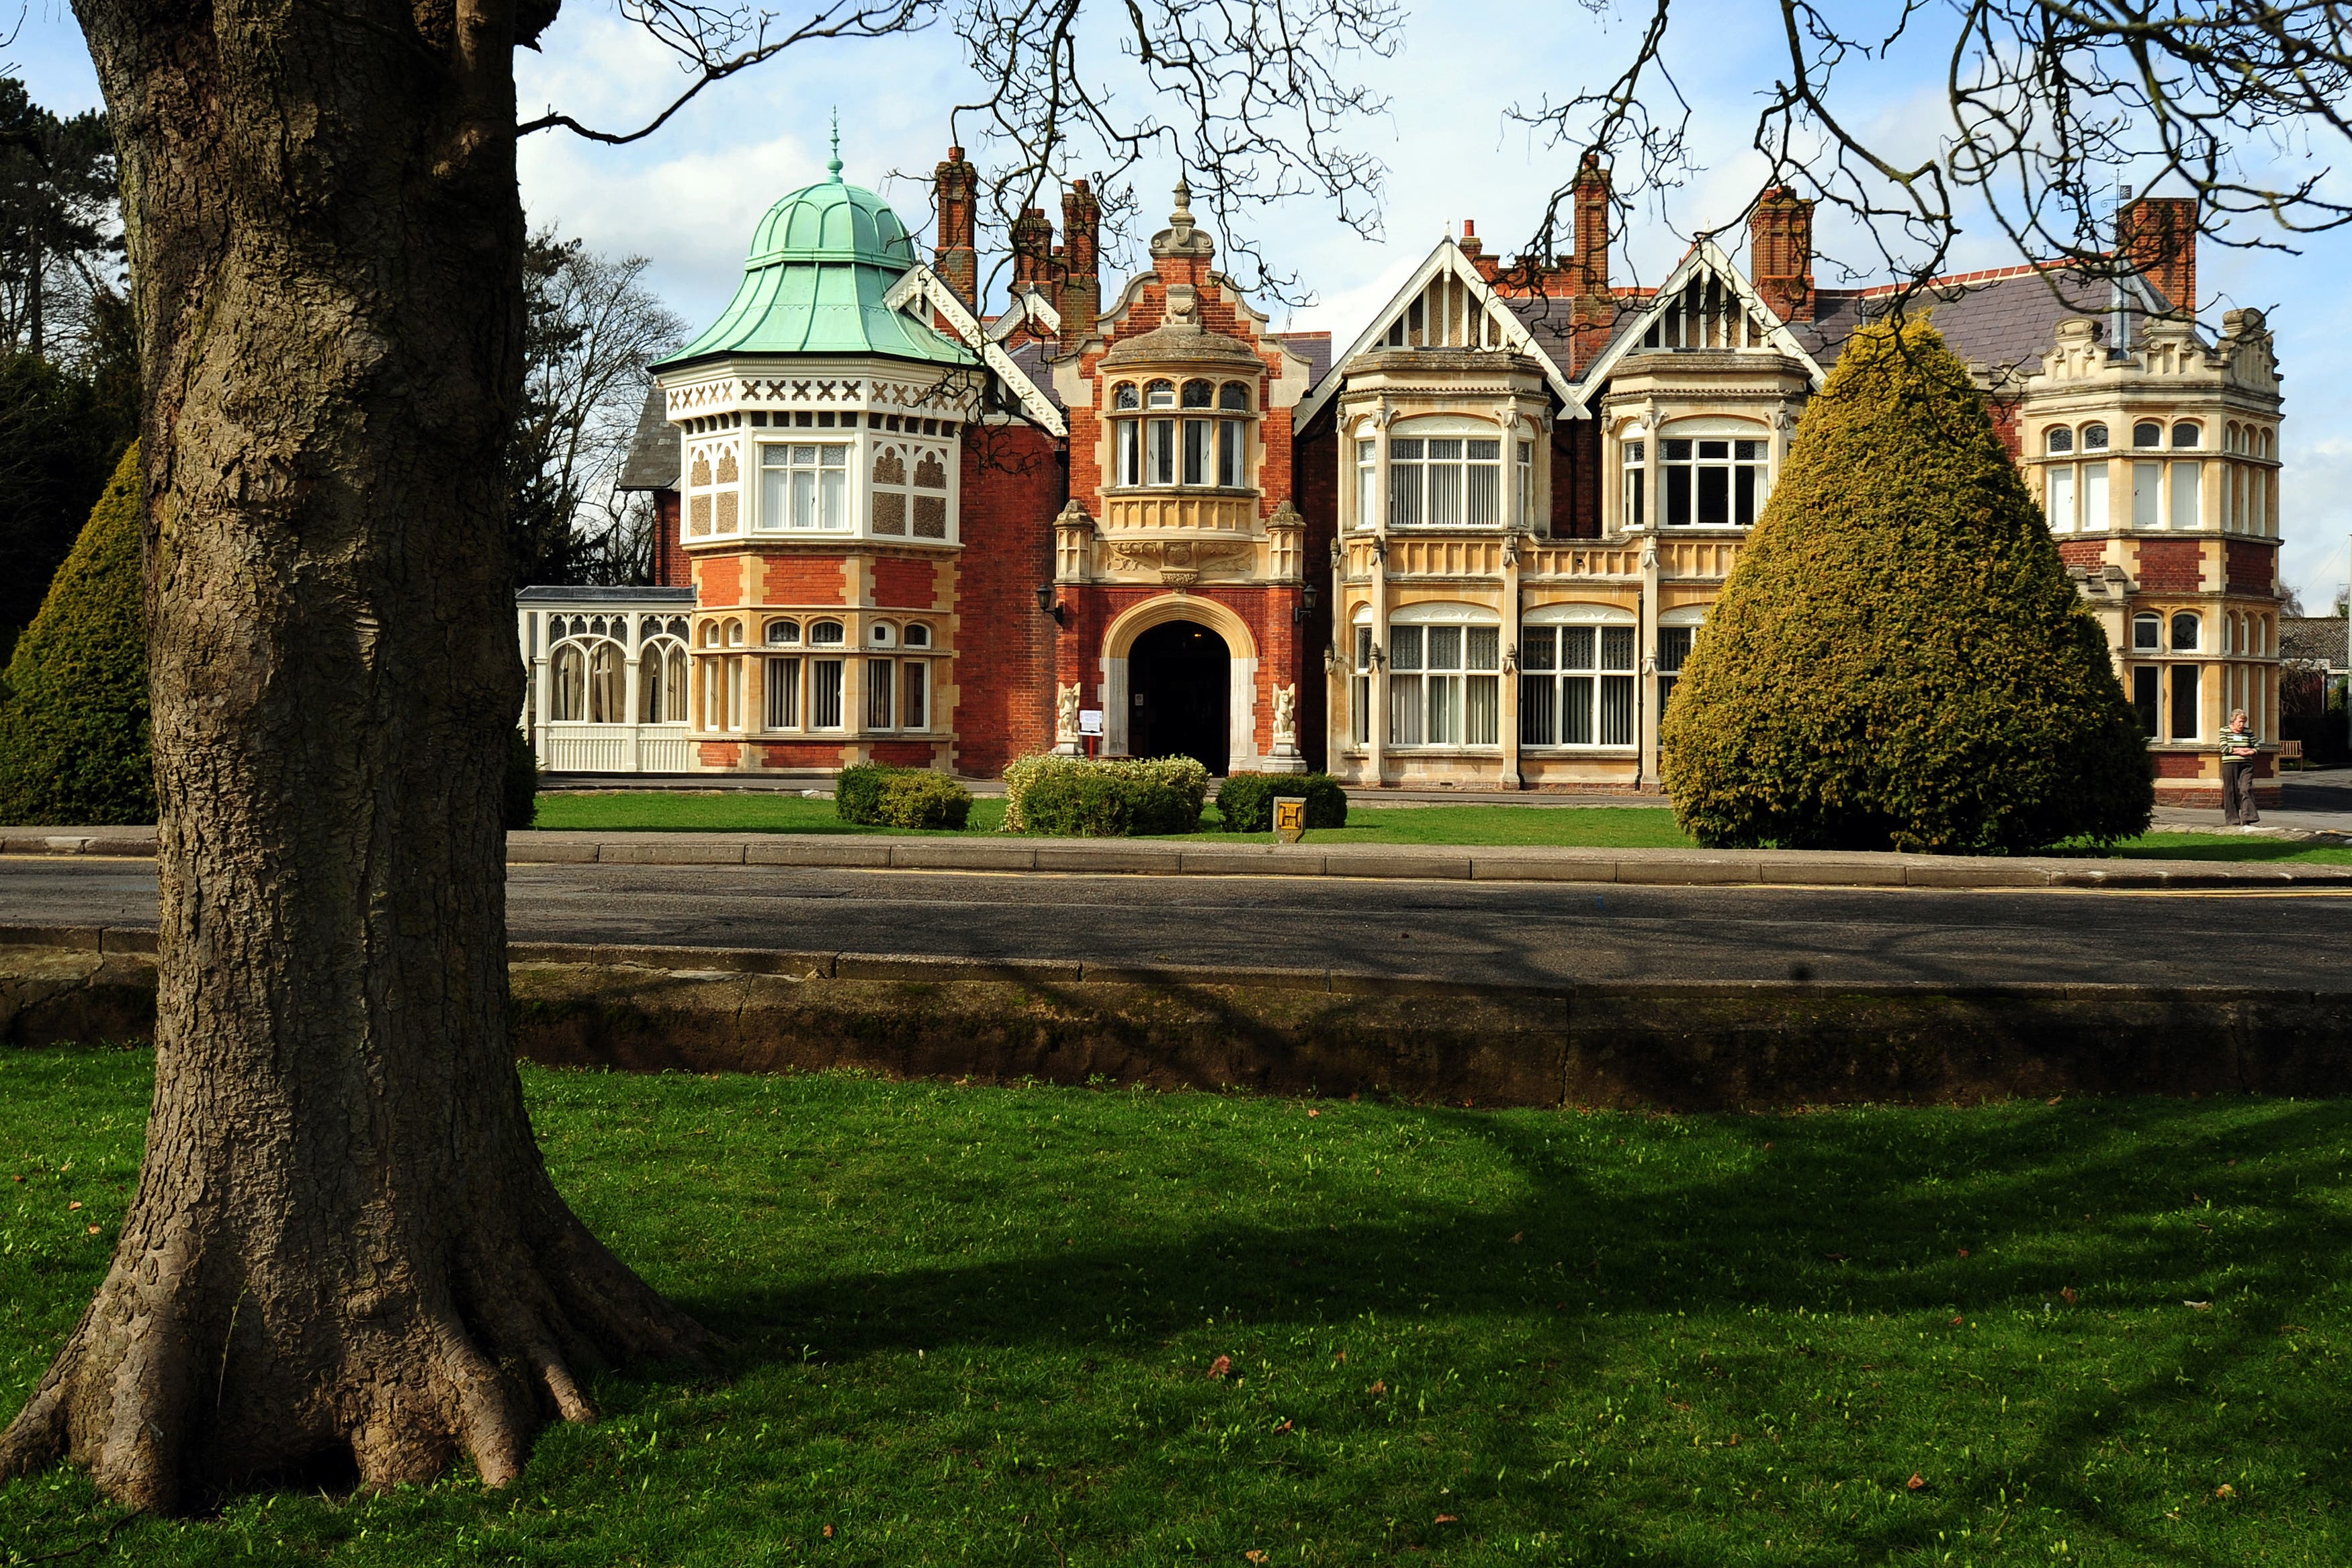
{"type": "Point", "coordinates": [1246, 801]}
{"type": "Point", "coordinates": [522, 783]}
{"type": "Point", "coordinates": [857, 792]}
{"type": "Point", "coordinates": [1183, 775]}
{"type": "Point", "coordinates": [879, 796]}
{"type": "Point", "coordinates": [1068, 804]}
{"type": "Point", "coordinates": [917, 798]}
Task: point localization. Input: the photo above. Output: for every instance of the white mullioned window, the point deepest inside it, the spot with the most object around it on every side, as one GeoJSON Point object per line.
{"type": "Point", "coordinates": [1444, 473]}
{"type": "Point", "coordinates": [1714, 482]}
{"type": "Point", "coordinates": [1368, 483]}
{"type": "Point", "coordinates": [1200, 440]}
{"type": "Point", "coordinates": [2188, 494]}
{"type": "Point", "coordinates": [1445, 682]}
{"type": "Point", "coordinates": [1527, 483]}
{"type": "Point", "coordinates": [803, 485]}
{"type": "Point", "coordinates": [2058, 500]}
{"type": "Point", "coordinates": [1635, 474]}
{"type": "Point", "coordinates": [1360, 685]}
{"type": "Point", "coordinates": [1576, 682]}
{"type": "Point", "coordinates": [2095, 515]}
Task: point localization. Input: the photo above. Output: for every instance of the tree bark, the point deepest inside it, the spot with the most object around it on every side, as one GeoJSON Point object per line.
{"type": "Point", "coordinates": [344, 1247]}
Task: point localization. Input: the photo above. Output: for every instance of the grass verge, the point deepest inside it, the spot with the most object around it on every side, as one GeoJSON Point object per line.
{"type": "Point", "coordinates": [984, 1326]}
{"type": "Point", "coordinates": [1595, 826]}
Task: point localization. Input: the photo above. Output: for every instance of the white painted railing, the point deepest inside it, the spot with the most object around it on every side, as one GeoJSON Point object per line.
{"type": "Point", "coordinates": [580, 748]}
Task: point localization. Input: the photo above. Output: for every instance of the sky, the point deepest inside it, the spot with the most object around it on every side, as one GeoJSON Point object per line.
{"type": "Point", "coordinates": [689, 198]}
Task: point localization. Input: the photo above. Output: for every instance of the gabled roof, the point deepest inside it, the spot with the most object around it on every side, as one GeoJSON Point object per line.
{"type": "Point", "coordinates": [922, 287]}
{"type": "Point", "coordinates": [1447, 257]}
{"type": "Point", "coordinates": [1703, 259]}
{"type": "Point", "coordinates": [1029, 307]}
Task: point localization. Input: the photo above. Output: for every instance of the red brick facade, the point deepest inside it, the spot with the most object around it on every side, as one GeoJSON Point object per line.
{"type": "Point", "coordinates": [2250, 566]}
{"type": "Point", "coordinates": [1013, 483]}
{"type": "Point", "coordinates": [2170, 565]}
{"type": "Point", "coordinates": [901, 585]}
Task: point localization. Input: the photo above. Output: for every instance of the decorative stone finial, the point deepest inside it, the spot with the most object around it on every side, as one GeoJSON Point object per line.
{"type": "Point", "coordinates": [833, 168]}
{"type": "Point", "coordinates": [1182, 217]}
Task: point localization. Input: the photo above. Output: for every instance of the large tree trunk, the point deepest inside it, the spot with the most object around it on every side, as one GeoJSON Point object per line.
{"type": "Point", "coordinates": [344, 1247]}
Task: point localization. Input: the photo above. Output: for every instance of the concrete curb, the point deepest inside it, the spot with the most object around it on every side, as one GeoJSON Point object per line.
{"type": "Point", "coordinates": [1523, 862]}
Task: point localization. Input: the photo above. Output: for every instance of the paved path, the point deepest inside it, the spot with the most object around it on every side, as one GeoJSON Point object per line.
{"type": "Point", "coordinates": [1468, 930]}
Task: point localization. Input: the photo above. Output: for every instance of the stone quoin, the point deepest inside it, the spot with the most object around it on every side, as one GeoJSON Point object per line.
{"type": "Point", "coordinates": [1470, 549]}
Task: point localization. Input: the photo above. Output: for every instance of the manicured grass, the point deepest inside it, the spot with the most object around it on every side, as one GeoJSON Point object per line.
{"type": "Point", "coordinates": [1600, 827]}
{"type": "Point", "coordinates": [978, 1326]}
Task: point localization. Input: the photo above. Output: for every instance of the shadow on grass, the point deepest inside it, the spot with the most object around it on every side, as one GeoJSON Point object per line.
{"type": "Point", "coordinates": [1828, 1222]}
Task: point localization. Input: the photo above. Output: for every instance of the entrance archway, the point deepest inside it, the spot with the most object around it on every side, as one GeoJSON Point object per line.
{"type": "Point", "coordinates": [1179, 694]}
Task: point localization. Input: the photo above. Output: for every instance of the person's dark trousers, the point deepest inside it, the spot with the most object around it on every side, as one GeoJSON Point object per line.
{"type": "Point", "coordinates": [2238, 794]}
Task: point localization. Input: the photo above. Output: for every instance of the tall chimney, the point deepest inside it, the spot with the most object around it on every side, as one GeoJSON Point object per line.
{"type": "Point", "coordinates": [1033, 249]}
{"type": "Point", "coordinates": [957, 185]}
{"type": "Point", "coordinates": [1591, 195]}
{"type": "Point", "coordinates": [1780, 253]}
{"type": "Point", "coordinates": [1081, 302]}
{"type": "Point", "coordinates": [2158, 235]}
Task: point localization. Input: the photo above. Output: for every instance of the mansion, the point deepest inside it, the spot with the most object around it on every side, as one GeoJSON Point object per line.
{"type": "Point", "coordinates": [1470, 548]}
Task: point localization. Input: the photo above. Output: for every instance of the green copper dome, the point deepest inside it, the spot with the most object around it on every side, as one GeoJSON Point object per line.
{"type": "Point", "coordinates": [821, 262]}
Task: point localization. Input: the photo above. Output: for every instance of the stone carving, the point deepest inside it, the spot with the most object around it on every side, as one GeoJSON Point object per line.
{"type": "Point", "coordinates": [1179, 562]}
{"type": "Point", "coordinates": [1286, 716]}
{"type": "Point", "coordinates": [1065, 714]}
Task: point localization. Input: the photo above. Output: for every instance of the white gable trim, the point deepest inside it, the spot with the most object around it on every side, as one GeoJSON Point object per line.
{"type": "Point", "coordinates": [1029, 305]}
{"type": "Point", "coordinates": [921, 286]}
{"type": "Point", "coordinates": [1704, 257]}
{"type": "Point", "coordinates": [1446, 258]}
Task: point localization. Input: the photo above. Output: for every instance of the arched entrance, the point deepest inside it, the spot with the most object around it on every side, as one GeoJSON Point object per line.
{"type": "Point", "coordinates": [1179, 694]}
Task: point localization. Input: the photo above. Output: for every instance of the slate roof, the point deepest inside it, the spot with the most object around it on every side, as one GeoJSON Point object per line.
{"type": "Point", "coordinates": [2311, 639]}
{"type": "Point", "coordinates": [655, 459]}
{"type": "Point", "coordinates": [1315, 348]}
{"type": "Point", "coordinates": [1997, 321]}
{"type": "Point", "coordinates": [1547, 320]}
{"type": "Point", "coordinates": [1031, 355]}
{"type": "Point", "coordinates": [595, 595]}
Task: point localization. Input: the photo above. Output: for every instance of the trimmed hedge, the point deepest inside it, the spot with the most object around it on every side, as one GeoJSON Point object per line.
{"type": "Point", "coordinates": [1184, 775]}
{"type": "Point", "coordinates": [74, 748]}
{"type": "Point", "coordinates": [1899, 660]}
{"type": "Point", "coordinates": [1246, 801]}
{"type": "Point", "coordinates": [1107, 805]}
{"type": "Point", "coordinates": [870, 794]}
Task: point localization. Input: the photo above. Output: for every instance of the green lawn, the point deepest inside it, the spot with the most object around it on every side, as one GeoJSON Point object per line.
{"type": "Point", "coordinates": [980, 1325]}
{"type": "Point", "coordinates": [1605, 826]}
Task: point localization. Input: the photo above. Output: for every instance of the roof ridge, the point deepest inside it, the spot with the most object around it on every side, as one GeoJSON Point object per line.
{"type": "Point", "coordinates": [1957, 280]}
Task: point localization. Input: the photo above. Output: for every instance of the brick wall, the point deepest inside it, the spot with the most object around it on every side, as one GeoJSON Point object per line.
{"type": "Point", "coordinates": [2178, 765]}
{"type": "Point", "coordinates": [902, 753]}
{"type": "Point", "coordinates": [901, 585]}
{"type": "Point", "coordinates": [719, 580]}
{"type": "Point", "coordinates": [2251, 567]}
{"type": "Point", "coordinates": [1282, 647]}
{"type": "Point", "coordinates": [2087, 553]}
{"type": "Point", "coordinates": [2004, 411]}
{"type": "Point", "coordinates": [804, 580]}
{"type": "Point", "coordinates": [719, 753]}
{"type": "Point", "coordinates": [670, 567]}
{"type": "Point", "coordinates": [1014, 485]}
{"type": "Point", "coordinates": [800, 757]}
{"type": "Point", "coordinates": [1576, 479]}
{"type": "Point", "coordinates": [2169, 565]}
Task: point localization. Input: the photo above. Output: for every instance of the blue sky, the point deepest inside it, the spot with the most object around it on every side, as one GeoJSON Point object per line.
{"type": "Point", "coordinates": [689, 198]}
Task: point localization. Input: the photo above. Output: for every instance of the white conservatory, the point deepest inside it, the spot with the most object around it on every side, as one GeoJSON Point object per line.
{"type": "Point", "coordinates": [607, 690]}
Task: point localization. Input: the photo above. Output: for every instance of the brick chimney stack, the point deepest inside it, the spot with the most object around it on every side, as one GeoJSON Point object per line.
{"type": "Point", "coordinates": [1780, 253]}
{"type": "Point", "coordinates": [1081, 301]}
{"type": "Point", "coordinates": [1033, 251]}
{"type": "Point", "coordinates": [957, 185]}
{"type": "Point", "coordinates": [1590, 197]}
{"type": "Point", "coordinates": [2158, 235]}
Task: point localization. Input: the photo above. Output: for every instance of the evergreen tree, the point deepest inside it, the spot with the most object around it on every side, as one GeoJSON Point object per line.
{"type": "Point", "coordinates": [73, 721]}
{"type": "Point", "coordinates": [1899, 660]}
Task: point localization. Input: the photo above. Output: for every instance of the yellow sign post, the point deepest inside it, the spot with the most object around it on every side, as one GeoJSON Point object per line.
{"type": "Point", "coordinates": [1290, 820]}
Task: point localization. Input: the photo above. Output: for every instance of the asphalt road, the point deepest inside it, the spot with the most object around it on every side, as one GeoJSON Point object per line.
{"type": "Point", "coordinates": [1498, 931]}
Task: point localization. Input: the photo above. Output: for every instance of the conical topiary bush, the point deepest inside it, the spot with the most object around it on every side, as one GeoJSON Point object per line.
{"type": "Point", "coordinates": [1899, 660]}
{"type": "Point", "coordinates": [73, 722]}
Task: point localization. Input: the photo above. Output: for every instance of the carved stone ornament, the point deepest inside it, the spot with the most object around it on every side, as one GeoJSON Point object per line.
{"type": "Point", "coordinates": [1286, 716]}
{"type": "Point", "coordinates": [1074, 515]}
{"type": "Point", "coordinates": [1287, 515]}
{"type": "Point", "coordinates": [1179, 562]}
{"type": "Point", "coordinates": [1066, 713]}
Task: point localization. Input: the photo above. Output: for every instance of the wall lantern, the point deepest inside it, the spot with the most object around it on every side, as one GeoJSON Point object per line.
{"type": "Point", "coordinates": [1305, 607]}
{"type": "Point", "coordinates": [1045, 605]}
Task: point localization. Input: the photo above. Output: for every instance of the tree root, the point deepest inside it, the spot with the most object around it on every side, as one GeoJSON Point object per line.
{"type": "Point", "coordinates": [187, 1377]}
